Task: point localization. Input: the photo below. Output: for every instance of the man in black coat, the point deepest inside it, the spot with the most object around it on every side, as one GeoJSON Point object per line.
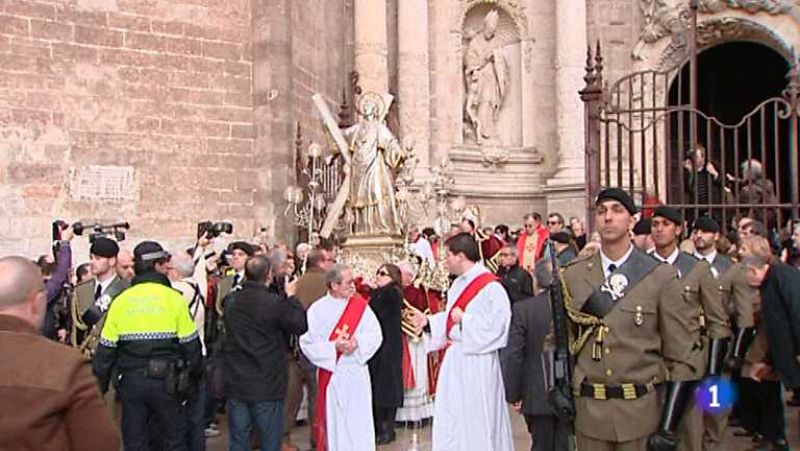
{"type": "Point", "coordinates": [517, 282]}
{"type": "Point", "coordinates": [779, 285]}
{"type": "Point", "coordinates": [524, 372]}
{"type": "Point", "coordinates": [254, 355]}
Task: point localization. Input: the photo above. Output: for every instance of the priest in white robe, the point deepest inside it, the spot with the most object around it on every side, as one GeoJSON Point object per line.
{"type": "Point", "coordinates": [470, 411]}
{"type": "Point", "coordinates": [348, 400]}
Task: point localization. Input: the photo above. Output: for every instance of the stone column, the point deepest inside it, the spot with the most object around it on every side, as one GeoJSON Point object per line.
{"type": "Point", "coordinates": [371, 49]}
{"type": "Point", "coordinates": [271, 41]}
{"type": "Point", "coordinates": [413, 84]}
{"type": "Point", "coordinates": [565, 188]}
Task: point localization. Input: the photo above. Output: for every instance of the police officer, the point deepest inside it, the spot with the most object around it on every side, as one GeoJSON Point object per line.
{"type": "Point", "coordinates": [92, 298]}
{"type": "Point", "coordinates": [633, 339]}
{"type": "Point", "coordinates": [153, 342]}
{"type": "Point", "coordinates": [701, 296]}
{"type": "Point", "coordinates": [738, 298]}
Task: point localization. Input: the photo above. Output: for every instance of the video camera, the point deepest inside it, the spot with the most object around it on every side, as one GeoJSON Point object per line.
{"type": "Point", "coordinates": [213, 229]}
{"type": "Point", "coordinates": [98, 230]}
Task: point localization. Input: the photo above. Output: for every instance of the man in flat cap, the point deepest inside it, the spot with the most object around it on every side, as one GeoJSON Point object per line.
{"type": "Point", "coordinates": [709, 327]}
{"type": "Point", "coordinates": [564, 246]}
{"type": "Point", "coordinates": [634, 353]}
{"type": "Point", "coordinates": [92, 298]}
{"type": "Point", "coordinates": [737, 297]}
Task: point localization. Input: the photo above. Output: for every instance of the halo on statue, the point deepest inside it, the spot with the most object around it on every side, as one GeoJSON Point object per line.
{"type": "Point", "coordinates": [378, 103]}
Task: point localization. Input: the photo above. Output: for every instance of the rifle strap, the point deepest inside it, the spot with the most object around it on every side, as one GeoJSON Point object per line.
{"type": "Point", "coordinates": [618, 284]}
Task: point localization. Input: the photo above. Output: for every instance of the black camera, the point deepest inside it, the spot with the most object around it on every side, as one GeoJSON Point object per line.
{"type": "Point", "coordinates": [213, 229]}
{"type": "Point", "coordinates": [116, 231]}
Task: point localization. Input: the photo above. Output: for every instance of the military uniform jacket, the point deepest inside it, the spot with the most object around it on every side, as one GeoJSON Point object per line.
{"type": "Point", "coordinates": [737, 295]}
{"type": "Point", "coordinates": [647, 340]}
{"type": "Point", "coordinates": [83, 299]}
{"type": "Point", "coordinates": [702, 296]}
{"type": "Point", "coordinates": [224, 287]}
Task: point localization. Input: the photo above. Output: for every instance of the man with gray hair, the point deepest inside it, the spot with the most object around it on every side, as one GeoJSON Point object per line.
{"type": "Point", "coordinates": [343, 334]}
{"type": "Point", "coordinates": [517, 282]}
{"type": "Point", "coordinates": [187, 274]}
{"type": "Point", "coordinates": [55, 408]}
{"type": "Point", "coordinates": [758, 191]}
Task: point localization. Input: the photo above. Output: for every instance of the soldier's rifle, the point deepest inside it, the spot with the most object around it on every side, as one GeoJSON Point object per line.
{"type": "Point", "coordinates": [560, 396]}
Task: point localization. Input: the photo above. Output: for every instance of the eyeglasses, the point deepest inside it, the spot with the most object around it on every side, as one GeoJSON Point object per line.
{"type": "Point", "coordinates": [382, 272]}
{"type": "Point", "coordinates": [553, 223]}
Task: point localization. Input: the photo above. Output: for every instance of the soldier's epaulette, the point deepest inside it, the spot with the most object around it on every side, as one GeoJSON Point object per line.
{"type": "Point", "coordinates": [84, 282]}
{"type": "Point", "coordinates": [578, 259]}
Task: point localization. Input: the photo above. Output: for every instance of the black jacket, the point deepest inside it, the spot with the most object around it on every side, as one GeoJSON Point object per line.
{"type": "Point", "coordinates": [524, 372]}
{"type": "Point", "coordinates": [780, 312]}
{"type": "Point", "coordinates": [254, 350]}
{"type": "Point", "coordinates": [386, 366]}
{"type": "Point", "coordinates": [517, 282]}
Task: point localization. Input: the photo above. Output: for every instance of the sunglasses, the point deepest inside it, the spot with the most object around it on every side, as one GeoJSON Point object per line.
{"type": "Point", "coordinates": [383, 272]}
{"type": "Point", "coordinates": [553, 223]}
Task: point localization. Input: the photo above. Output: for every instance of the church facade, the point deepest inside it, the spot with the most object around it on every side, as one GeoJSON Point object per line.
{"type": "Point", "coordinates": [169, 112]}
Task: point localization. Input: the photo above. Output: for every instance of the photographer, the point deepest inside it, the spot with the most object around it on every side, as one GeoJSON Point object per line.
{"type": "Point", "coordinates": [153, 342]}
{"type": "Point", "coordinates": [56, 274]}
{"type": "Point", "coordinates": [254, 355]}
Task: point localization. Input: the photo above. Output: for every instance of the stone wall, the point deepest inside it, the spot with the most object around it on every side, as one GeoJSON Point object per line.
{"type": "Point", "coordinates": [124, 110]}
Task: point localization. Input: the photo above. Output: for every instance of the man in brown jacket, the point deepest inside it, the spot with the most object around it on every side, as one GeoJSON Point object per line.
{"type": "Point", "coordinates": [633, 355]}
{"type": "Point", "coordinates": [53, 402]}
{"type": "Point", "coordinates": [309, 287]}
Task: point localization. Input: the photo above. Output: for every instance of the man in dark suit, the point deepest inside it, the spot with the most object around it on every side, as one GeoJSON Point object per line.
{"type": "Point", "coordinates": [524, 372]}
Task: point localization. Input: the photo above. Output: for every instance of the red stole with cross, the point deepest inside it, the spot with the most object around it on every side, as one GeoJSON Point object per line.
{"type": "Point", "coordinates": [531, 247]}
{"type": "Point", "coordinates": [466, 296]}
{"type": "Point", "coordinates": [345, 328]}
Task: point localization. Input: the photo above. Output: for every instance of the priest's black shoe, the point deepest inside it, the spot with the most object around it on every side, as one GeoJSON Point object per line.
{"type": "Point", "coordinates": [383, 439]}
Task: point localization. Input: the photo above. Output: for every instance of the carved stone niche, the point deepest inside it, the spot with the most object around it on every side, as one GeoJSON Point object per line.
{"type": "Point", "coordinates": [497, 94]}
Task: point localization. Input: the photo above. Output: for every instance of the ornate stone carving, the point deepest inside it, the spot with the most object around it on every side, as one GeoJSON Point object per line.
{"type": "Point", "coordinates": [486, 79]}
{"type": "Point", "coordinates": [755, 6]}
{"type": "Point", "coordinates": [515, 9]}
{"type": "Point", "coordinates": [669, 17]}
{"type": "Point", "coordinates": [714, 32]}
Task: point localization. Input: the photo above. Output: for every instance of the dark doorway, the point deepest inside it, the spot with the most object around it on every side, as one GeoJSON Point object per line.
{"type": "Point", "coordinates": [733, 126]}
{"type": "Point", "coordinates": [732, 79]}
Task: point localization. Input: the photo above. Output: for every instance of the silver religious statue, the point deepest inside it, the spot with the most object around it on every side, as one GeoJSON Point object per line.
{"type": "Point", "coordinates": [372, 157]}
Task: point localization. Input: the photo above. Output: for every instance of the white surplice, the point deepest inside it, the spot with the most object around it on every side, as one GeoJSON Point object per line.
{"type": "Point", "coordinates": [470, 411]}
{"type": "Point", "coordinates": [417, 402]}
{"type": "Point", "coordinates": [349, 425]}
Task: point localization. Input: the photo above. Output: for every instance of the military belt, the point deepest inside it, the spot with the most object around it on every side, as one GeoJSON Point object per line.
{"type": "Point", "coordinates": [623, 391]}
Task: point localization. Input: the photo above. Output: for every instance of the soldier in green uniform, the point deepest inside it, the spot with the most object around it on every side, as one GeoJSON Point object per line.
{"type": "Point", "coordinates": [92, 298]}
{"type": "Point", "coordinates": [709, 320]}
{"type": "Point", "coordinates": [738, 298]}
{"type": "Point", "coordinates": [633, 339]}
{"type": "Point", "coordinates": [239, 252]}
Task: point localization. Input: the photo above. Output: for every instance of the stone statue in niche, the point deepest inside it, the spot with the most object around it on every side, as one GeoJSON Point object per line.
{"type": "Point", "coordinates": [486, 78]}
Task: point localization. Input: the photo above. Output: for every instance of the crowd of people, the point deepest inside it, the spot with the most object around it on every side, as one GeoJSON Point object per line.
{"type": "Point", "coordinates": [269, 335]}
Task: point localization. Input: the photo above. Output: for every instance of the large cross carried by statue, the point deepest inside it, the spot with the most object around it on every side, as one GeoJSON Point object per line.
{"type": "Point", "coordinates": [371, 153]}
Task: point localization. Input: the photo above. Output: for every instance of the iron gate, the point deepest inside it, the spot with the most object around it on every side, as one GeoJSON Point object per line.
{"type": "Point", "coordinates": [661, 149]}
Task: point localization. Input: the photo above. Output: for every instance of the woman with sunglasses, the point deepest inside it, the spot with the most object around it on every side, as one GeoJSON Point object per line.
{"type": "Point", "coordinates": [385, 367]}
